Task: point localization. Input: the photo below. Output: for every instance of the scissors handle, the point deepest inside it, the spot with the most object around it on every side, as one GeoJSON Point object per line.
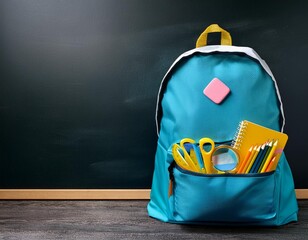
{"type": "Point", "coordinates": [191, 156]}
{"type": "Point", "coordinates": [185, 161]}
{"type": "Point", "coordinates": [178, 158]}
{"type": "Point", "coordinates": [207, 155]}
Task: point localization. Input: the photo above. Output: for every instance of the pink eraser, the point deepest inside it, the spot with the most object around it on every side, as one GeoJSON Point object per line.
{"type": "Point", "coordinates": [216, 90]}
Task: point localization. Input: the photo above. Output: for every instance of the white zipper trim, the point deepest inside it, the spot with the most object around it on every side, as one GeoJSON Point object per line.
{"type": "Point", "coordinates": [222, 48]}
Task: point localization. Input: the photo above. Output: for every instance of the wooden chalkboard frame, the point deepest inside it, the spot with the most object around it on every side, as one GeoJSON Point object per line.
{"type": "Point", "coordinates": [253, 29]}
{"type": "Point", "coordinates": [90, 194]}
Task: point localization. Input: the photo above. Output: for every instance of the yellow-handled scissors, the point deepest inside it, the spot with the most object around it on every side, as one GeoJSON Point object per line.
{"type": "Point", "coordinates": [192, 157]}
{"type": "Point", "coordinates": [177, 153]}
{"type": "Point", "coordinates": [207, 155]}
{"type": "Point", "coordinates": [183, 158]}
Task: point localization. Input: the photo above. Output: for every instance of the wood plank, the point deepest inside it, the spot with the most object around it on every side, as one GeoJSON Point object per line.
{"type": "Point", "coordinates": [74, 194]}
{"type": "Point", "coordinates": [301, 193]}
{"type": "Point", "coordinates": [90, 194]}
{"type": "Point", "coordinates": [74, 220]}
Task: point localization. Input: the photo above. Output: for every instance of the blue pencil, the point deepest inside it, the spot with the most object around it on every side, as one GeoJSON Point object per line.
{"type": "Point", "coordinates": [261, 158]}
{"type": "Point", "coordinates": [260, 155]}
{"type": "Point", "coordinates": [270, 145]}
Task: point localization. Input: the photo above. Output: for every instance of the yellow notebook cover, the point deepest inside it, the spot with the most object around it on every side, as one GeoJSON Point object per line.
{"type": "Point", "coordinates": [250, 134]}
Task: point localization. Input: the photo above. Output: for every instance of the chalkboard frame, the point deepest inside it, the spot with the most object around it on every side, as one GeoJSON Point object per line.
{"type": "Point", "coordinates": [90, 194]}
{"type": "Point", "coordinates": [274, 31]}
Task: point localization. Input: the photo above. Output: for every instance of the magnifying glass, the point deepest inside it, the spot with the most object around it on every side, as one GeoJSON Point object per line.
{"type": "Point", "coordinates": [225, 159]}
{"type": "Point", "coordinates": [221, 159]}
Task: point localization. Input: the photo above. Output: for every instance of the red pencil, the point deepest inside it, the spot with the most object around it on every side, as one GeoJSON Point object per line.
{"type": "Point", "coordinates": [243, 163]}
{"type": "Point", "coordinates": [271, 166]}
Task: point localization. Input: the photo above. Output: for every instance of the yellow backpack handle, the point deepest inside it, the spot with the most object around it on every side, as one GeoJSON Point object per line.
{"type": "Point", "coordinates": [225, 36]}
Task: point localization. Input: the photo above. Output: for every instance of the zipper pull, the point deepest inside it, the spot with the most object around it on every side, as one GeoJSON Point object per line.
{"type": "Point", "coordinates": [171, 178]}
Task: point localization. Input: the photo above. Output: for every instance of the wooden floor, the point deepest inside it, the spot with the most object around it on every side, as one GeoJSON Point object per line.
{"type": "Point", "coordinates": [120, 220]}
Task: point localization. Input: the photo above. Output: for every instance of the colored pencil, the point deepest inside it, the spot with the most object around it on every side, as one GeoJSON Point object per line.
{"type": "Point", "coordinates": [271, 165]}
{"type": "Point", "coordinates": [270, 145]}
{"type": "Point", "coordinates": [253, 159]}
{"type": "Point", "coordinates": [243, 163]}
{"type": "Point", "coordinates": [257, 158]}
{"type": "Point", "coordinates": [270, 156]}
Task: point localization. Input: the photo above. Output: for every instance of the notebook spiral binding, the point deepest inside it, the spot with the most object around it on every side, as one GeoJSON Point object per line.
{"type": "Point", "coordinates": [239, 135]}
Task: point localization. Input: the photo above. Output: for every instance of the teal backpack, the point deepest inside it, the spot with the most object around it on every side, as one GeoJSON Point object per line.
{"type": "Point", "coordinates": [180, 196]}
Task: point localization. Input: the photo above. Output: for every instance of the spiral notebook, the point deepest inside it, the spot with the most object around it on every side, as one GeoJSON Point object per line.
{"type": "Point", "coordinates": [250, 134]}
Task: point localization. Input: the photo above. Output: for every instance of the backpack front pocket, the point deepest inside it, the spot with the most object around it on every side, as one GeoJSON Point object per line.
{"type": "Point", "coordinates": [222, 198]}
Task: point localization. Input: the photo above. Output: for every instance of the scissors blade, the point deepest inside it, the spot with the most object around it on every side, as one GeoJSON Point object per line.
{"type": "Point", "coordinates": [178, 158]}
{"type": "Point", "coordinates": [196, 154]}
{"type": "Point", "coordinates": [187, 145]}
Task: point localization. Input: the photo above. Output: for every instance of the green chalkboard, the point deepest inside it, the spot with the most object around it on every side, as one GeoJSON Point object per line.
{"type": "Point", "coordinates": [79, 81]}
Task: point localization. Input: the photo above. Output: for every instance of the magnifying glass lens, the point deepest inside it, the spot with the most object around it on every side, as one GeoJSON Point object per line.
{"type": "Point", "coordinates": [225, 159]}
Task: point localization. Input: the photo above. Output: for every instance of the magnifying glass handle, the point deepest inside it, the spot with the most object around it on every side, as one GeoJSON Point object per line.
{"type": "Point", "coordinates": [207, 155]}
